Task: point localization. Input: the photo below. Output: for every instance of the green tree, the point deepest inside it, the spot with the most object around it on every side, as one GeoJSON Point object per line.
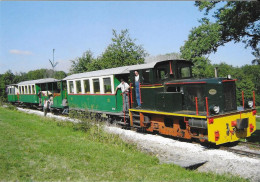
{"type": "Point", "coordinates": [224, 69]}
{"type": "Point", "coordinates": [253, 73]}
{"type": "Point", "coordinates": [236, 21]}
{"type": "Point", "coordinates": [256, 61]}
{"type": "Point", "coordinates": [59, 75]}
{"type": "Point", "coordinates": [246, 85]}
{"type": "Point", "coordinates": [122, 51]}
{"type": "Point", "coordinates": [202, 68]}
{"type": "Point", "coordinates": [6, 79]}
{"type": "Point", "coordinates": [201, 41]}
{"type": "Point", "coordinates": [83, 63]}
{"type": "Point", "coordinates": [239, 20]}
{"type": "Point", "coordinates": [22, 76]}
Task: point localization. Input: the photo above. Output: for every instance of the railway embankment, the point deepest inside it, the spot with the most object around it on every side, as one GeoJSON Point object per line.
{"type": "Point", "coordinates": [187, 155]}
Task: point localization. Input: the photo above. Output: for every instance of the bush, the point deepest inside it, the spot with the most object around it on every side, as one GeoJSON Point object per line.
{"type": "Point", "coordinates": [91, 125]}
{"type": "Point", "coordinates": [1, 101]}
{"type": "Point", "coordinates": [11, 107]}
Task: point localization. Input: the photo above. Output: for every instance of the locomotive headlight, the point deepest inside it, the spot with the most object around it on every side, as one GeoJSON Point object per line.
{"type": "Point", "coordinates": [229, 77]}
{"type": "Point", "coordinates": [250, 103]}
{"type": "Point", "coordinates": [214, 109]}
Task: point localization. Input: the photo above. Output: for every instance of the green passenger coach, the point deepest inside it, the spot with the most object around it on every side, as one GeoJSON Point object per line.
{"type": "Point", "coordinates": [12, 93]}
{"type": "Point", "coordinates": [34, 92]}
{"type": "Point", "coordinates": [95, 91]}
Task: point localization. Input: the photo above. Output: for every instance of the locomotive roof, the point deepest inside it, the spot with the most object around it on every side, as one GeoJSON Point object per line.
{"type": "Point", "coordinates": [45, 80]}
{"type": "Point", "coordinates": [113, 71]}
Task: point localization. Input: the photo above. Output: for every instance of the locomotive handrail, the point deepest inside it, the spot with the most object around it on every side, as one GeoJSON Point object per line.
{"type": "Point", "coordinates": [197, 111]}
{"type": "Point", "coordinates": [182, 83]}
{"type": "Point", "coordinates": [243, 101]}
{"type": "Point", "coordinates": [254, 99]}
{"type": "Point", "coordinates": [207, 106]}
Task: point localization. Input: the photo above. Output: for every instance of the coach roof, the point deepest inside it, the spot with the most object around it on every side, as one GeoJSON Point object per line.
{"type": "Point", "coordinates": [113, 71]}
{"type": "Point", "coordinates": [45, 80]}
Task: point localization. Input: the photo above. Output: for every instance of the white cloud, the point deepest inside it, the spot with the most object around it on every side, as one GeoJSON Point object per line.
{"type": "Point", "coordinates": [20, 52]}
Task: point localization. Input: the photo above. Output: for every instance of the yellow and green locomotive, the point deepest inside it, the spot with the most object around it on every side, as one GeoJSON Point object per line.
{"type": "Point", "coordinates": [163, 97]}
{"type": "Point", "coordinates": [175, 104]}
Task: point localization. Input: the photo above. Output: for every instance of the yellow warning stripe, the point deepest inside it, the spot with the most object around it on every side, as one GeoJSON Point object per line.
{"type": "Point", "coordinates": [167, 113]}
{"type": "Point", "coordinates": [153, 87]}
{"type": "Point", "coordinates": [150, 87]}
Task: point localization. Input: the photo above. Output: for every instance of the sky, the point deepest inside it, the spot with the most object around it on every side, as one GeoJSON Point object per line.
{"type": "Point", "coordinates": [30, 30]}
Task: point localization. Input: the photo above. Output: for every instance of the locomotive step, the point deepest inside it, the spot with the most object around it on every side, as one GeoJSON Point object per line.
{"type": "Point", "coordinates": [136, 126]}
{"type": "Point", "coordinates": [136, 116]}
{"type": "Point", "coordinates": [123, 123]}
{"type": "Point", "coordinates": [136, 121]}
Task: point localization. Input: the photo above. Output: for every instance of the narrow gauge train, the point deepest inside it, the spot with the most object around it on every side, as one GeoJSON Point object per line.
{"type": "Point", "coordinates": [172, 102]}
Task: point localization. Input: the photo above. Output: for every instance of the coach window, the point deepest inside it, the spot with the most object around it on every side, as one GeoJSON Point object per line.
{"type": "Point", "coordinates": [26, 90]}
{"type": "Point", "coordinates": [78, 86]}
{"type": "Point", "coordinates": [87, 86]}
{"type": "Point", "coordinates": [162, 73]}
{"type": "Point", "coordinates": [71, 87]}
{"type": "Point", "coordinates": [107, 85]}
{"type": "Point", "coordinates": [33, 89]}
{"type": "Point", "coordinates": [30, 90]}
{"type": "Point", "coordinates": [185, 72]}
{"type": "Point", "coordinates": [96, 86]}
{"type": "Point", "coordinates": [20, 91]}
{"type": "Point", "coordinates": [146, 76]}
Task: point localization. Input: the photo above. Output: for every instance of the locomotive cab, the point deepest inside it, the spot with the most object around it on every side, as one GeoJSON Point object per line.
{"type": "Point", "coordinates": [155, 93]}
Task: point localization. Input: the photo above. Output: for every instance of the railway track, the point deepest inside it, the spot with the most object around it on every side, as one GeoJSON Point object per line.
{"type": "Point", "coordinates": [244, 150]}
{"type": "Point", "coordinates": [251, 144]}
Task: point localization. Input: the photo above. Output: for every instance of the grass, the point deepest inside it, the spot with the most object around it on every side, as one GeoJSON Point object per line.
{"type": "Point", "coordinates": [34, 148]}
{"type": "Point", "coordinates": [258, 110]}
{"type": "Point", "coordinates": [255, 137]}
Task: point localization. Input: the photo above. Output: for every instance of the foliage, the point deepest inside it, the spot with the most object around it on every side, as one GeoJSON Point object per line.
{"type": "Point", "coordinates": [247, 86]}
{"type": "Point", "coordinates": [239, 20]}
{"type": "Point", "coordinates": [236, 21]}
{"type": "Point", "coordinates": [59, 75]}
{"type": "Point", "coordinates": [10, 106]}
{"type": "Point", "coordinates": [255, 137]}
{"type": "Point", "coordinates": [5, 79]}
{"type": "Point", "coordinates": [257, 57]}
{"type": "Point", "coordinates": [123, 51]}
{"type": "Point", "coordinates": [224, 69]}
{"type": "Point", "coordinates": [202, 40]}
{"type": "Point", "coordinates": [84, 63]}
{"type": "Point", "coordinates": [202, 68]}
